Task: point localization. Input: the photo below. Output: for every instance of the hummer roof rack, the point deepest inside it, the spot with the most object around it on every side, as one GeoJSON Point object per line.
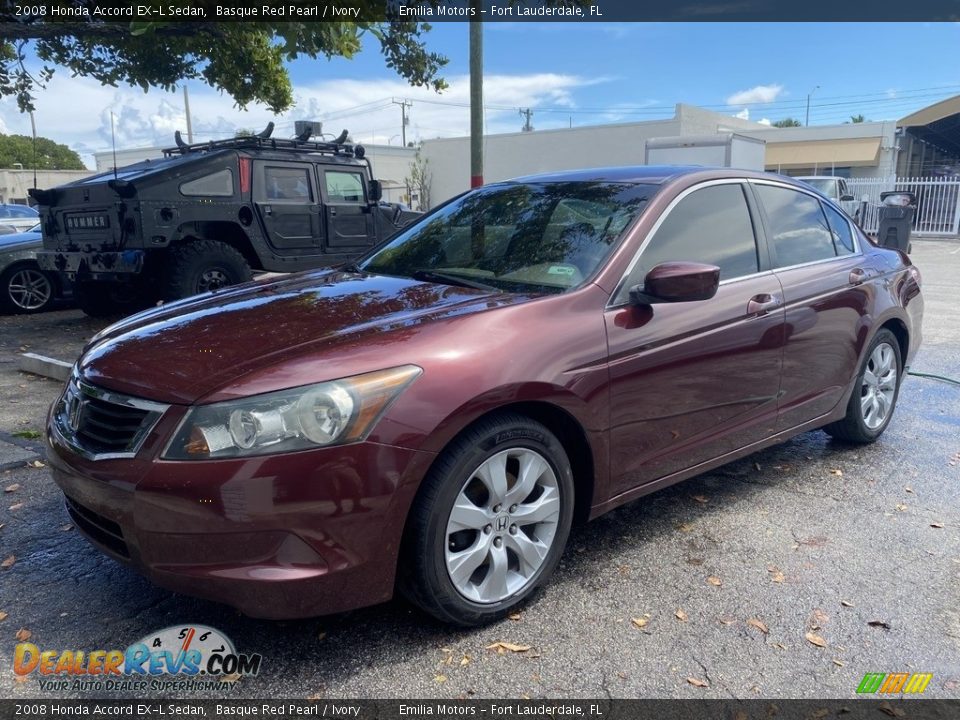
{"type": "Point", "coordinates": [263, 140]}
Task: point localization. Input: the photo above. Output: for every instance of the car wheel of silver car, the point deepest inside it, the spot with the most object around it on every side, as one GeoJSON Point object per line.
{"type": "Point", "coordinates": [27, 289]}
{"type": "Point", "coordinates": [490, 521]}
{"type": "Point", "coordinates": [874, 394]}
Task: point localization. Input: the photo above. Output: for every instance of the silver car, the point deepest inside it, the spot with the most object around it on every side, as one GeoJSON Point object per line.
{"type": "Point", "coordinates": [17, 218]}
{"type": "Point", "coordinates": [24, 287]}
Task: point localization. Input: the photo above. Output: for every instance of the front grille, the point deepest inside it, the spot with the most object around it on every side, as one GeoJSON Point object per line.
{"type": "Point", "coordinates": [100, 424]}
{"type": "Point", "coordinates": [97, 527]}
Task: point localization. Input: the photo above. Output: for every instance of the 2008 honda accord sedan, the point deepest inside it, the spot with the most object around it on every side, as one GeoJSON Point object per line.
{"type": "Point", "coordinates": [434, 417]}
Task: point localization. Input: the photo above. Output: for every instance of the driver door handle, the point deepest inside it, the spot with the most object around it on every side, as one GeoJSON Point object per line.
{"type": "Point", "coordinates": [762, 304]}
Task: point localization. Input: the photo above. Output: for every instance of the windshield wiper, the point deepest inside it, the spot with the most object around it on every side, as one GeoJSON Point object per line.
{"type": "Point", "coordinates": [450, 279]}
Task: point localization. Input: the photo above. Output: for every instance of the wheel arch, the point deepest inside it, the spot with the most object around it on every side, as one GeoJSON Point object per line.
{"type": "Point", "coordinates": [224, 231]}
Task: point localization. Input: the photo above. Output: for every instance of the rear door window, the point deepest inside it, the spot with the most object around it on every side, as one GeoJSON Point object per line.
{"type": "Point", "coordinates": [344, 187]}
{"type": "Point", "coordinates": [287, 183]}
{"type": "Point", "coordinates": [798, 228]}
{"type": "Point", "coordinates": [840, 229]}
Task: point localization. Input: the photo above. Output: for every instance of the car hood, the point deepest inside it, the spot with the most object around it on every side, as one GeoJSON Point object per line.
{"type": "Point", "coordinates": [181, 352]}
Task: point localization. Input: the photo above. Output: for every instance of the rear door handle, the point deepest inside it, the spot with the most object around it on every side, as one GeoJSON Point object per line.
{"type": "Point", "coordinates": [268, 210]}
{"type": "Point", "coordinates": [858, 276]}
{"type": "Point", "coordinates": [762, 304]}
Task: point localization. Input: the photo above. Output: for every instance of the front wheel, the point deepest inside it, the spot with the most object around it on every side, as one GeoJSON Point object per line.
{"type": "Point", "coordinates": [875, 394]}
{"type": "Point", "coordinates": [101, 299]}
{"type": "Point", "coordinates": [490, 521]}
{"type": "Point", "coordinates": [26, 289]}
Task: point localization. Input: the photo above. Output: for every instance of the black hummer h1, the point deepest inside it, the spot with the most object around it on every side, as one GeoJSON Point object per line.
{"type": "Point", "coordinates": [205, 214]}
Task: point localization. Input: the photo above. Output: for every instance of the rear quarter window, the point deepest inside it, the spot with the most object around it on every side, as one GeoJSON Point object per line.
{"type": "Point", "coordinates": [218, 184]}
{"type": "Point", "coordinates": [798, 228]}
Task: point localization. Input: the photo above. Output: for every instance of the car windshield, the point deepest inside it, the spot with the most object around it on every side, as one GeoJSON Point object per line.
{"type": "Point", "coordinates": [824, 185]}
{"type": "Point", "coordinates": [545, 237]}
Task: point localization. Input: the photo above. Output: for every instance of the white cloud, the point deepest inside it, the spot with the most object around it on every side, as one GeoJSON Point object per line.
{"type": "Point", "coordinates": [764, 121]}
{"type": "Point", "coordinates": [743, 114]}
{"type": "Point", "coordinates": [76, 111]}
{"type": "Point", "coordinates": [758, 94]}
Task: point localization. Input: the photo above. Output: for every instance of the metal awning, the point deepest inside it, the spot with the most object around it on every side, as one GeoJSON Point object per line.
{"type": "Point", "coordinates": [937, 124]}
{"type": "Point", "coordinates": [849, 152]}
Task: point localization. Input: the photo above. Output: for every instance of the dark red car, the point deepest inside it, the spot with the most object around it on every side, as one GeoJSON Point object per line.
{"type": "Point", "coordinates": [436, 416]}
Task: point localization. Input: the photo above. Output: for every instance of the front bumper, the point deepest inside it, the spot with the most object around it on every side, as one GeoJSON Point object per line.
{"type": "Point", "coordinates": [285, 536]}
{"type": "Point", "coordinates": [93, 265]}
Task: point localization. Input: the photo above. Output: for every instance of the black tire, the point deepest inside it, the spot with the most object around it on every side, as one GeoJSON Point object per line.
{"type": "Point", "coordinates": [853, 427]}
{"type": "Point", "coordinates": [201, 265]}
{"type": "Point", "coordinates": [423, 575]}
{"type": "Point", "coordinates": [25, 289]}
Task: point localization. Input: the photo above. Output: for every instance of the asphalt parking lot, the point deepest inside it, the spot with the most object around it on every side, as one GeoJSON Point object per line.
{"type": "Point", "coordinates": [790, 573]}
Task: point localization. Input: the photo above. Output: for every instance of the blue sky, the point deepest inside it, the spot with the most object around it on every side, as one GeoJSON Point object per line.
{"type": "Point", "coordinates": [581, 73]}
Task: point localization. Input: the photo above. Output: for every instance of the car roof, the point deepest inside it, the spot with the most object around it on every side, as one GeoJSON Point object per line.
{"type": "Point", "coordinates": [645, 174]}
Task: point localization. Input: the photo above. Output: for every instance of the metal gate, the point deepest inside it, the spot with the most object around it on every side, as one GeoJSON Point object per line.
{"type": "Point", "coordinates": [938, 202]}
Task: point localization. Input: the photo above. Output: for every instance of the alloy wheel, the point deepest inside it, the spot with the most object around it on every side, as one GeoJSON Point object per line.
{"type": "Point", "coordinates": [212, 279]}
{"type": "Point", "coordinates": [502, 525]}
{"type": "Point", "coordinates": [879, 386]}
{"type": "Point", "coordinates": [29, 289]}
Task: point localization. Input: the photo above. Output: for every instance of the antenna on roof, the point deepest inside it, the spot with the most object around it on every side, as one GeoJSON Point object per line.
{"type": "Point", "coordinates": [113, 141]}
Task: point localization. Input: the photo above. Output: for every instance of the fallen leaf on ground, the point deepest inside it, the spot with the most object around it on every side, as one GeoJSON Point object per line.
{"type": "Point", "coordinates": [820, 618]}
{"type": "Point", "coordinates": [695, 561]}
{"type": "Point", "coordinates": [837, 471]}
{"type": "Point", "coordinates": [887, 708]}
{"type": "Point", "coordinates": [780, 646]}
{"type": "Point", "coordinates": [3, 615]}
{"type": "Point", "coordinates": [684, 527]}
{"type": "Point", "coordinates": [321, 635]}
{"type": "Point", "coordinates": [231, 678]}
{"type": "Point", "coordinates": [900, 507]}
{"type": "Point", "coordinates": [727, 620]}
{"type": "Point", "coordinates": [759, 625]}
{"type": "Point", "coordinates": [516, 617]}
{"type": "Point", "coordinates": [908, 489]}
{"type": "Point", "coordinates": [936, 525]}
{"type": "Point", "coordinates": [879, 623]}
{"type": "Point", "coordinates": [702, 499]}
{"type": "Point", "coordinates": [15, 507]}
{"type": "Point", "coordinates": [12, 488]}
{"type": "Point", "coordinates": [440, 678]}
{"type": "Point", "coordinates": [697, 682]}
{"type": "Point", "coordinates": [640, 622]}
{"type": "Point", "coordinates": [814, 639]}
{"type": "Point", "coordinates": [715, 581]}
{"type": "Point", "coordinates": [504, 647]}
{"type": "Point", "coordinates": [681, 615]}
{"type": "Point", "coordinates": [66, 528]}
{"type": "Point", "coordinates": [838, 663]}
{"type": "Point", "coordinates": [465, 660]}
{"type": "Point", "coordinates": [23, 635]}
{"type": "Point", "coordinates": [8, 563]}
{"type": "Point", "coordinates": [27, 434]}
{"type": "Point", "coordinates": [775, 574]}
{"type": "Point", "coordinates": [36, 464]}
{"type": "Point", "coordinates": [846, 603]}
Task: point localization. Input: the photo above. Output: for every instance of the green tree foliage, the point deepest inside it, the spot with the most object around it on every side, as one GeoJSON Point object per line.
{"type": "Point", "coordinates": [857, 119]}
{"type": "Point", "coordinates": [244, 59]}
{"type": "Point", "coordinates": [49, 154]}
{"type": "Point", "coordinates": [787, 122]}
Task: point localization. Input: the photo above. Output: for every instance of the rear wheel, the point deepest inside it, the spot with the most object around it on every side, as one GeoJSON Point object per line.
{"type": "Point", "coordinates": [875, 395]}
{"type": "Point", "coordinates": [490, 521]}
{"type": "Point", "coordinates": [25, 289]}
{"type": "Point", "coordinates": [203, 265]}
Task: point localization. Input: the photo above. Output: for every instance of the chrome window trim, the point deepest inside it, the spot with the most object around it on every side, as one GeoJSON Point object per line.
{"type": "Point", "coordinates": [653, 231]}
{"type": "Point", "coordinates": [67, 435]}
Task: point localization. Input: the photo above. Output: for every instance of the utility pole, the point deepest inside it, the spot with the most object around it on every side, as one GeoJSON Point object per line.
{"type": "Point", "coordinates": [527, 113]}
{"type": "Point", "coordinates": [476, 96]}
{"type": "Point", "coordinates": [404, 104]}
{"type": "Point", "coordinates": [807, 121]}
{"type": "Point", "coordinates": [186, 109]}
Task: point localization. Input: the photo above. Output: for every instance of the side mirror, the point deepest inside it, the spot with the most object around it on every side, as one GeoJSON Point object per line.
{"type": "Point", "coordinates": [677, 282]}
{"type": "Point", "coordinates": [375, 190]}
{"type": "Point", "coordinates": [845, 198]}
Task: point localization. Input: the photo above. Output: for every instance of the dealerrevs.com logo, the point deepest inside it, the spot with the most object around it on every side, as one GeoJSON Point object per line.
{"type": "Point", "coordinates": [192, 657]}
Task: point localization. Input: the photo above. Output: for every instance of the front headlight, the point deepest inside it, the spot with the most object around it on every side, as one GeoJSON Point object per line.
{"type": "Point", "coordinates": [329, 413]}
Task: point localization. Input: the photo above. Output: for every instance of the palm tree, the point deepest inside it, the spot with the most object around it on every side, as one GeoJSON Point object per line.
{"type": "Point", "coordinates": [857, 118]}
{"type": "Point", "coordinates": [787, 122]}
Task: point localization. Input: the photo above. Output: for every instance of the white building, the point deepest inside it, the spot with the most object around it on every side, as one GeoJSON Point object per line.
{"type": "Point", "coordinates": [15, 183]}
